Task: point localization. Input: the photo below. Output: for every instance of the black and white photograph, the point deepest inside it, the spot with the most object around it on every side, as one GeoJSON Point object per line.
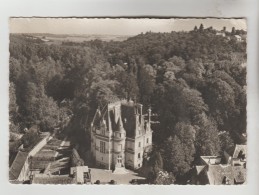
{"type": "Point", "coordinates": [157, 101]}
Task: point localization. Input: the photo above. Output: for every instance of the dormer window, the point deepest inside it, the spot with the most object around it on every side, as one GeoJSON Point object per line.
{"type": "Point", "coordinates": [241, 155]}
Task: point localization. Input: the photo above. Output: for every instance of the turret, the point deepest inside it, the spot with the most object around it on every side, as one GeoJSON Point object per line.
{"type": "Point", "coordinates": [120, 131]}
{"type": "Point", "coordinates": [148, 124]}
{"type": "Point", "coordinates": [120, 126]}
{"type": "Point", "coordinates": [137, 122]}
{"type": "Point", "coordinates": [149, 115]}
{"type": "Point", "coordinates": [103, 124]}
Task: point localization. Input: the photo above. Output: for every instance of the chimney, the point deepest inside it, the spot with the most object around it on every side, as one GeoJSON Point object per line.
{"type": "Point", "coordinates": [141, 114]}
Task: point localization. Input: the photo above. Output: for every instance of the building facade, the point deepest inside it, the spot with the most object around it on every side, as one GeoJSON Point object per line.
{"type": "Point", "coordinates": [120, 135]}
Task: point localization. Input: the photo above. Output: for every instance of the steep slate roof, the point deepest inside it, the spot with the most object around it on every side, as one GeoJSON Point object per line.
{"type": "Point", "coordinates": [199, 169]}
{"type": "Point", "coordinates": [216, 174]}
{"type": "Point", "coordinates": [239, 174]}
{"type": "Point", "coordinates": [127, 116]}
{"type": "Point", "coordinates": [17, 165]}
{"type": "Point", "coordinates": [128, 112]}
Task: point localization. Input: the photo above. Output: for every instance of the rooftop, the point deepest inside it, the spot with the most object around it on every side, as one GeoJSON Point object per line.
{"type": "Point", "coordinates": [235, 150]}
{"type": "Point", "coordinates": [216, 174]}
{"type": "Point", "coordinates": [46, 179]}
{"type": "Point", "coordinates": [199, 169]}
{"type": "Point", "coordinates": [54, 155]}
{"type": "Point", "coordinates": [17, 165]}
{"type": "Point", "coordinates": [122, 111]}
{"type": "Point", "coordinates": [211, 159]}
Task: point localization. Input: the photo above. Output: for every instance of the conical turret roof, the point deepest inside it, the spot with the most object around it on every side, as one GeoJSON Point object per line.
{"type": "Point", "coordinates": [120, 125]}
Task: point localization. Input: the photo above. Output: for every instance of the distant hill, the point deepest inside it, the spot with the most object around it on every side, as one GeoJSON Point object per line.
{"type": "Point", "coordinates": [78, 38]}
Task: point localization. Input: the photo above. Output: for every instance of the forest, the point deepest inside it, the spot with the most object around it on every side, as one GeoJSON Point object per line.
{"type": "Point", "coordinates": [194, 82]}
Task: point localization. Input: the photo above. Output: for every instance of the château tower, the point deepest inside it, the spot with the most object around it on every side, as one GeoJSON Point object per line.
{"type": "Point", "coordinates": [120, 135]}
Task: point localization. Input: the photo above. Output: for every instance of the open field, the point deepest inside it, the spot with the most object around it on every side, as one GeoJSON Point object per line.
{"type": "Point", "coordinates": [58, 39]}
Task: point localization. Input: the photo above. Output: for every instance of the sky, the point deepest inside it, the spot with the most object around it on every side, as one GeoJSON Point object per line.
{"type": "Point", "coordinates": [109, 26]}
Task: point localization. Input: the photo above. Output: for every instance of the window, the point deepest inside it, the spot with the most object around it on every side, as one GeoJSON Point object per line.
{"type": "Point", "coordinates": [139, 144]}
{"type": "Point", "coordinates": [147, 140]}
{"type": "Point", "coordinates": [119, 159]}
{"type": "Point", "coordinates": [102, 147]}
{"type": "Point", "coordinates": [138, 155]}
{"type": "Point", "coordinates": [119, 147]}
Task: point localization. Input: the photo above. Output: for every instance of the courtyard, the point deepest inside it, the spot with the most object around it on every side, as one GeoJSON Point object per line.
{"type": "Point", "coordinates": [105, 176]}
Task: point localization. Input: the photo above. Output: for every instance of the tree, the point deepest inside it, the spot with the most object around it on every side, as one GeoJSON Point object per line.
{"type": "Point", "coordinates": [201, 28]}
{"type": "Point", "coordinates": [225, 141]}
{"type": "Point", "coordinates": [104, 91]}
{"type": "Point", "coordinates": [146, 86]}
{"type": "Point", "coordinates": [129, 84]}
{"type": "Point", "coordinates": [156, 161]}
{"type": "Point", "coordinates": [29, 108]}
{"type": "Point", "coordinates": [13, 109]}
{"type": "Point", "coordinates": [30, 138]}
{"type": "Point", "coordinates": [207, 141]}
{"type": "Point", "coordinates": [174, 157]}
{"type": "Point", "coordinates": [196, 67]}
{"type": "Point", "coordinates": [186, 134]}
{"type": "Point", "coordinates": [57, 88]}
{"type": "Point", "coordinates": [164, 178]}
{"type": "Point", "coordinates": [219, 94]}
{"type": "Point", "coordinates": [15, 69]}
{"type": "Point", "coordinates": [47, 113]}
{"type": "Point", "coordinates": [233, 31]}
{"type": "Point", "coordinates": [154, 165]}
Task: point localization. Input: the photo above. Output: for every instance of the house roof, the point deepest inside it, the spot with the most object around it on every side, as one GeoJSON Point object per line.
{"type": "Point", "coordinates": [234, 151]}
{"type": "Point", "coordinates": [239, 174]}
{"type": "Point", "coordinates": [216, 174]}
{"type": "Point", "coordinates": [64, 179]}
{"type": "Point", "coordinates": [239, 148]}
{"type": "Point", "coordinates": [211, 159]}
{"type": "Point", "coordinates": [17, 165]}
{"type": "Point", "coordinates": [199, 169]}
{"type": "Point", "coordinates": [120, 114]}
